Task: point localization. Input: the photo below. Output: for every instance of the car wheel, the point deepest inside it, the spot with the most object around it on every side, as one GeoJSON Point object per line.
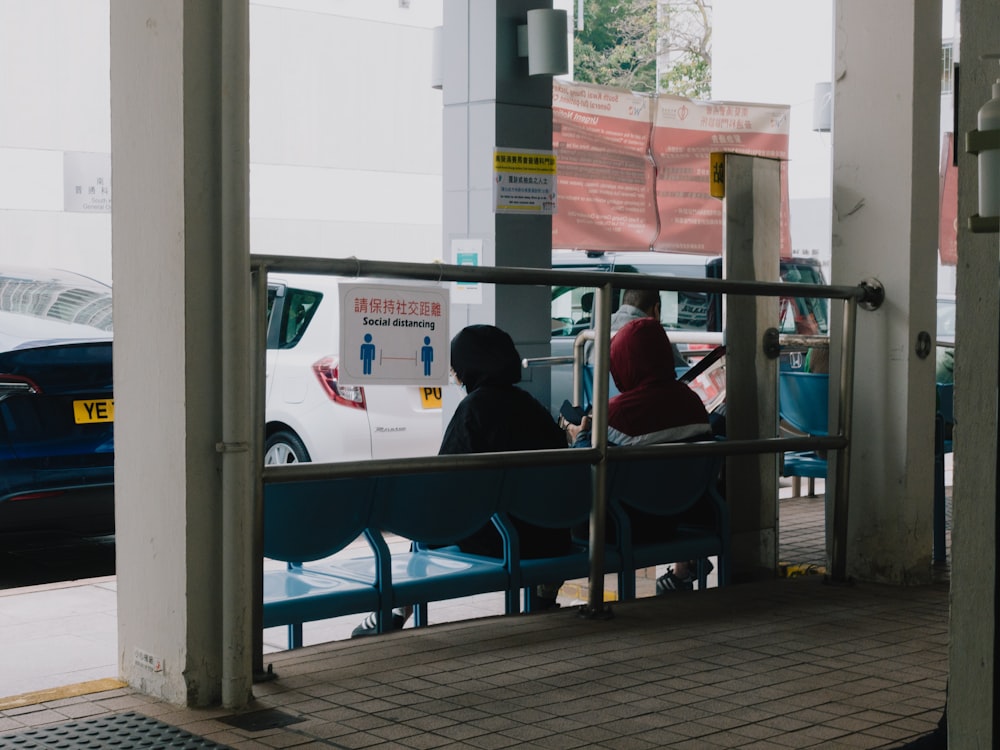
{"type": "Point", "coordinates": [284, 448]}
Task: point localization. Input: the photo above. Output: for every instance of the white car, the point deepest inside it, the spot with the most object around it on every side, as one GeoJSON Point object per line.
{"type": "Point", "coordinates": [309, 415]}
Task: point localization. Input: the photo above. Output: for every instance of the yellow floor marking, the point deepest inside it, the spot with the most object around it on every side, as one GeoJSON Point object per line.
{"type": "Point", "coordinates": [66, 691]}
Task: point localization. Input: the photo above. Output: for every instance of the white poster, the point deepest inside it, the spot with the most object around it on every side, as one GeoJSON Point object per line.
{"type": "Point", "coordinates": [393, 335]}
{"type": "Point", "coordinates": [467, 251]}
{"type": "Point", "coordinates": [86, 182]}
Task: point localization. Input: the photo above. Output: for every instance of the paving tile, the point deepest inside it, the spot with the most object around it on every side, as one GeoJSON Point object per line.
{"type": "Point", "coordinates": [785, 664]}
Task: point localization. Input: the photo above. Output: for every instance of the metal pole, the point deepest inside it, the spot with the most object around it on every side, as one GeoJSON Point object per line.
{"type": "Point", "coordinates": [237, 475]}
{"type": "Point", "coordinates": [599, 440]}
{"type": "Point", "coordinates": [579, 346]}
{"type": "Point", "coordinates": [258, 344]}
{"type": "Point", "coordinates": [841, 494]}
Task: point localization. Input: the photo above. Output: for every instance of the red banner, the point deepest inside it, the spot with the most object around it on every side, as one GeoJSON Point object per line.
{"type": "Point", "coordinates": [948, 219]}
{"type": "Point", "coordinates": [604, 172]}
{"type": "Point", "coordinates": [685, 133]}
{"type": "Point", "coordinates": [633, 171]}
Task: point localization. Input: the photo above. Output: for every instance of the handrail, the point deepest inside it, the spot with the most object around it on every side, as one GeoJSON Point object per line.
{"type": "Point", "coordinates": [863, 294]}
{"type": "Point", "coordinates": [359, 268]}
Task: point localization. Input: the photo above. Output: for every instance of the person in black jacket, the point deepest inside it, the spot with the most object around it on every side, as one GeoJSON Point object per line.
{"type": "Point", "coordinates": [494, 416]}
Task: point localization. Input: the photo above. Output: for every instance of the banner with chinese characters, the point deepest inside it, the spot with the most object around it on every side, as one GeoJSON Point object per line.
{"type": "Point", "coordinates": [685, 133]}
{"type": "Point", "coordinates": [393, 334]}
{"type": "Point", "coordinates": [634, 170]}
{"type": "Point", "coordinates": [601, 139]}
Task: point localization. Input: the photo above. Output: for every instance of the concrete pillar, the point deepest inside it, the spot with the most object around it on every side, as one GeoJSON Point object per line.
{"type": "Point", "coordinates": [885, 208]}
{"type": "Point", "coordinates": [972, 690]}
{"type": "Point", "coordinates": [490, 101]}
{"type": "Point", "coordinates": [175, 161]}
{"type": "Point", "coordinates": [751, 241]}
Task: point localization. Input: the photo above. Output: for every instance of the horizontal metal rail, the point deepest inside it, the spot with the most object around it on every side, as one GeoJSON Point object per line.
{"type": "Point", "coordinates": [308, 472]}
{"type": "Point", "coordinates": [357, 268]}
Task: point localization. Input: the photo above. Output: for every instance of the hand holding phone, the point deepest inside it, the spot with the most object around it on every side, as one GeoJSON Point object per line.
{"type": "Point", "coordinates": [572, 414]}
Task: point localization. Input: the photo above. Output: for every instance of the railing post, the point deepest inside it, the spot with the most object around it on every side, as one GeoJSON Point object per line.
{"type": "Point", "coordinates": [258, 348]}
{"type": "Point", "coordinates": [599, 439]}
{"type": "Point", "coordinates": [841, 493]}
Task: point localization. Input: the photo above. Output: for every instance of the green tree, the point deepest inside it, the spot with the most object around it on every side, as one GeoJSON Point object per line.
{"type": "Point", "coordinates": [685, 48]}
{"type": "Point", "coordinates": [624, 42]}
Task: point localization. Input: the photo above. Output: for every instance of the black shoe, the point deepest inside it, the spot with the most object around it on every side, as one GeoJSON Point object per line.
{"type": "Point", "coordinates": [670, 582]}
{"type": "Point", "coordinates": [542, 603]}
{"type": "Point", "coordinates": [369, 626]}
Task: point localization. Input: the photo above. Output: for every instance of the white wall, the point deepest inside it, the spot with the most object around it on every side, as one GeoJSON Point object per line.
{"type": "Point", "coordinates": [54, 95]}
{"type": "Point", "coordinates": [776, 51]}
{"type": "Point", "coordinates": [345, 130]}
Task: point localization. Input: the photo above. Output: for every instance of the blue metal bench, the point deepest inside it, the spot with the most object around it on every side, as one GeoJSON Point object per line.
{"type": "Point", "coordinates": [433, 510]}
{"type": "Point", "coordinates": [306, 522]}
{"type": "Point", "coordinates": [803, 402]}
{"type": "Point", "coordinates": [552, 497]}
{"type": "Point", "coordinates": [668, 487]}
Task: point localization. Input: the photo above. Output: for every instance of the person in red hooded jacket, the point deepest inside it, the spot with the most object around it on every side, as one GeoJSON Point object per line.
{"type": "Point", "coordinates": [653, 406]}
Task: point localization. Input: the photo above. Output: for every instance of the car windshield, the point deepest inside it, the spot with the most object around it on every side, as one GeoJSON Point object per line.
{"type": "Point", "coordinates": [946, 318]}
{"type": "Point", "coordinates": [804, 315]}
{"type": "Point", "coordinates": [690, 311]}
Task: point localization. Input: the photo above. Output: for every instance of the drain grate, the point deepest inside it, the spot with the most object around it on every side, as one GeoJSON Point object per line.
{"type": "Point", "coordinates": [258, 721]}
{"type": "Point", "coordinates": [129, 731]}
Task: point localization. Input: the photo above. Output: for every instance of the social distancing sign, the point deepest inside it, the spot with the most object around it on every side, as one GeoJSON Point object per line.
{"type": "Point", "coordinates": [393, 335]}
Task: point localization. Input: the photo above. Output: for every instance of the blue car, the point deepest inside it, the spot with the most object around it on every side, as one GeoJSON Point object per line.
{"type": "Point", "coordinates": [56, 402]}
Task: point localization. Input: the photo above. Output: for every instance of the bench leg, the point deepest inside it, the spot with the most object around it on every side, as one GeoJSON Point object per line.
{"type": "Point", "coordinates": [420, 615]}
{"type": "Point", "coordinates": [295, 635]}
{"type": "Point", "coordinates": [626, 584]}
{"type": "Point", "coordinates": [701, 573]}
{"type": "Point", "coordinates": [511, 601]}
{"type": "Point", "coordinates": [796, 486]}
{"type": "Point", "coordinates": [812, 487]}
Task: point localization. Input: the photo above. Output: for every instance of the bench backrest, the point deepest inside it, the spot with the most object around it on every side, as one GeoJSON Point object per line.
{"type": "Point", "coordinates": [803, 399]}
{"type": "Point", "coordinates": [307, 521]}
{"type": "Point", "coordinates": [549, 496]}
{"type": "Point", "coordinates": [438, 507]}
{"type": "Point", "coordinates": [661, 486]}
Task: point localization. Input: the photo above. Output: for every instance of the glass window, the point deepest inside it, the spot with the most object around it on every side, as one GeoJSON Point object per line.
{"type": "Point", "coordinates": [296, 312]}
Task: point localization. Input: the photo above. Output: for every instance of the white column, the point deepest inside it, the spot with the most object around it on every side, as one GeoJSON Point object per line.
{"type": "Point", "coordinates": [885, 207]}
{"type": "Point", "coordinates": [171, 229]}
{"type": "Point", "coordinates": [752, 235]}
{"type": "Point", "coordinates": [972, 699]}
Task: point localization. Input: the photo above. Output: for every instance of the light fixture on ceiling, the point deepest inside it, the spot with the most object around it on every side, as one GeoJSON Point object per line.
{"type": "Point", "coordinates": [437, 57]}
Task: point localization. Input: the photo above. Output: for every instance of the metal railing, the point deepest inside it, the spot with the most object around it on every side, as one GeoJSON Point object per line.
{"type": "Point", "coordinates": [868, 294]}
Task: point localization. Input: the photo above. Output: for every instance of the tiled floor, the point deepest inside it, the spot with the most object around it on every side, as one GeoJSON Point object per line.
{"type": "Point", "coordinates": [783, 664]}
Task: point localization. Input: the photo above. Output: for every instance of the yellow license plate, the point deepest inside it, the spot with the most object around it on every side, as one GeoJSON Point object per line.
{"type": "Point", "coordinates": [430, 398]}
{"type": "Point", "coordinates": [99, 410]}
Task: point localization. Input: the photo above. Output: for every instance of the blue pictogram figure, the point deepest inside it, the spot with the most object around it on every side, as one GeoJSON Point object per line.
{"type": "Point", "coordinates": [368, 353]}
{"type": "Point", "coordinates": [427, 355]}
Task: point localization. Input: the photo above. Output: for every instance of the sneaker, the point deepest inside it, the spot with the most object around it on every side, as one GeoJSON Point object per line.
{"type": "Point", "coordinates": [670, 582]}
{"type": "Point", "coordinates": [369, 626]}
